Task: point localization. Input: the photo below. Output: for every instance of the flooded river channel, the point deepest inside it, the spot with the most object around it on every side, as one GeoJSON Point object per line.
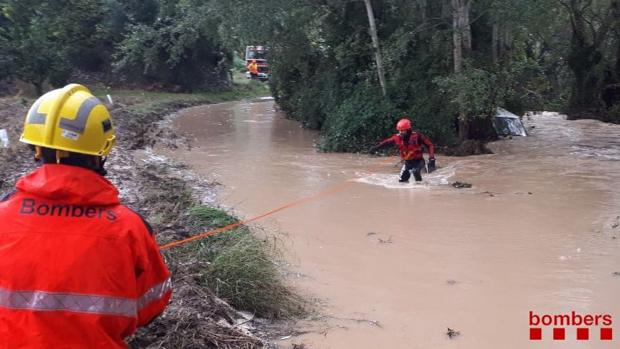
{"type": "Point", "coordinates": [395, 265]}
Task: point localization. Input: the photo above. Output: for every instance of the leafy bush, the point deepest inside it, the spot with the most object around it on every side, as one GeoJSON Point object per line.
{"type": "Point", "coordinates": [613, 114]}
{"type": "Point", "coordinates": [43, 40]}
{"type": "Point", "coordinates": [239, 64]}
{"type": "Point", "coordinates": [359, 121]}
{"type": "Point", "coordinates": [181, 48]}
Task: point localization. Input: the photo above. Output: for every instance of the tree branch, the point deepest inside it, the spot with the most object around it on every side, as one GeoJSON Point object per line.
{"type": "Point", "coordinates": [607, 23]}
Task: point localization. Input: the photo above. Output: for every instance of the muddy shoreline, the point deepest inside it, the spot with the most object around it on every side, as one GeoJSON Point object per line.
{"type": "Point", "coordinates": [158, 188]}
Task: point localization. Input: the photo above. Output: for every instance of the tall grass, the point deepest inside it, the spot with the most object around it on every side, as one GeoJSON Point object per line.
{"type": "Point", "coordinates": [240, 267]}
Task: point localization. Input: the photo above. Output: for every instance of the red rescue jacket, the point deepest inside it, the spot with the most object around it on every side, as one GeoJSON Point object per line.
{"type": "Point", "coordinates": [77, 268]}
{"type": "Point", "coordinates": [411, 150]}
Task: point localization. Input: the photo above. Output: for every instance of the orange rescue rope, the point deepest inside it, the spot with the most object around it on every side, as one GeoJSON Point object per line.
{"type": "Point", "coordinates": [333, 189]}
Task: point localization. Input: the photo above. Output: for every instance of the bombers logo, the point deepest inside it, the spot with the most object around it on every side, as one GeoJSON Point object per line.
{"type": "Point", "coordinates": [30, 206]}
{"type": "Point", "coordinates": [582, 323]}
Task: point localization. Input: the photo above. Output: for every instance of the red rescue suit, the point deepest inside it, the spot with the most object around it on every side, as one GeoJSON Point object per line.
{"type": "Point", "coordinates": [412, 148]}
{"type": "Point", "coordinates": [77, 268]}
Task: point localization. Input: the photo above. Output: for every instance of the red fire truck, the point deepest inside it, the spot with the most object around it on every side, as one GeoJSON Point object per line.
{"type": "Point", "coordinates": [258, 53]}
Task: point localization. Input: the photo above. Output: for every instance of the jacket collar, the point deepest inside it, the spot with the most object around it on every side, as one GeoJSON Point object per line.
{"type": "Point", "coordinates": [69, 184]}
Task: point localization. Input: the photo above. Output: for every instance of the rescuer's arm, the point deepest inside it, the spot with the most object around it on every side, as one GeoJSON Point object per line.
{"type": "Point", "coordinates": [431, 152]}
{"type": "Point", "coordinates": [153, 279]}
{"type": "Point", "coordinates": [383, 144]}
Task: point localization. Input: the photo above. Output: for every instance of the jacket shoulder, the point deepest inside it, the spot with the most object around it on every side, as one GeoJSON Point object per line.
{"type": "Point", "coordinates": [6, 196]}
{"type": "Point", "coordinates": [137, 218]}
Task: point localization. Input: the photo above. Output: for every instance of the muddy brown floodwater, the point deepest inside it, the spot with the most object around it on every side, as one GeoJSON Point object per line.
{"type": "Point", "coordinates": [395, 266]}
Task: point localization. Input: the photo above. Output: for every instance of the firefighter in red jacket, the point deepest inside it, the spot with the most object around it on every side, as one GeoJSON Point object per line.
{"type": "Point", "coordinates": [410, 144]}
{"type": "Point", "coordinates": [77, 268]}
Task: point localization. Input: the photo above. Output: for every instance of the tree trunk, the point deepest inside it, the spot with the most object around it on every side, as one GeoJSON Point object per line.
{"type": "Point", "coordinates": [38, 87]}
{"type": "Point", "coordinates": [422, 5]}
{"type": "Point", "coordinates": [501, 45]}
{"type": "Point", "coordinates": [375, 44]}
{"type": "Point", "coordinates": [457, 38]}
{"type": "Point", "coordinates": [583, 57]}
{"type": "Point", "coordinates": [495, 43]}
{"type": "Point", "coordinates": [465, 27]}
{"type": "Point", "coordinates": [617, 75]}
{"type": "Point", "coordinates": [582, 61]}
{"type": "Point", "coordinates": [461, 39]}
{"type": "Point", "coordinates": [585, 54]}
{"type": "Point", "coordinates": [616, 8]}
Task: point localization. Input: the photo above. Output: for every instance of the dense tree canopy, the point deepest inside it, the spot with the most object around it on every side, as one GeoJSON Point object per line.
{"type": "Point", "coordinates": [175, 43]}
{"type": "Point", "coordinates": [180, 46]}
{"type": "Point", "coordinates": [447, 64]}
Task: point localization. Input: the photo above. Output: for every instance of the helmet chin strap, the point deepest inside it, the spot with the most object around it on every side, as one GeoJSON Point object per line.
{"type": "Point", "coordinates": [92, 162]}
{"type": "Point", "coordinates": [38, 153]}
{"type": "Point", "coordinates": [405, 136]}
{"type": "Point", "coordinates": [100, 162]}
{"type": "Point", "coordinates": [61, 154]}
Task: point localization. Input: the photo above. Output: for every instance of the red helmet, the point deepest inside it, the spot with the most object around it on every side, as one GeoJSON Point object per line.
{"type": "Point", "coordinates": [403, 125]}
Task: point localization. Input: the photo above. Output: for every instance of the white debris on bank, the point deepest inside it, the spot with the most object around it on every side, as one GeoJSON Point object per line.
{"type": "Point", "coordinates": [4, 138]}
{"type": "Point", "coordinates": [202, 188]}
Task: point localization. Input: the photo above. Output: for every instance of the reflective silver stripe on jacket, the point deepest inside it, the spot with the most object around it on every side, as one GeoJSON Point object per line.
{"type": "Point", "coordinates": [49, 301]}
{"type": "Point", "coordinates": [81, 303]}
{"type": "Point", "coordinates": [154, 293]}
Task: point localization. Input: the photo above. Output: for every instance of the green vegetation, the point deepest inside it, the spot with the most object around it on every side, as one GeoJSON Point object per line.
{"type": "Point", "coordinates": [521, 55]}
{"type": "Point", "coordinates": [175, 43]}
{"type": "Point", "coordinates": [241, 268]}
{"type": "Point", "coordinates": [181, 47]}
{"type": "Point", "coordinates": [447, 64]}
{"type": "Point", "coordinates": [144, 102]}
{"type": "Point", "coordinates": [40, 41]}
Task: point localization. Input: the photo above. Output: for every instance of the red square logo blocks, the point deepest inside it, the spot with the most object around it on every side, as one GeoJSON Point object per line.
{"type": "Point", "coordinates": [581, 324]}
{"type": "Point", "coordinates": [606, 334]}
{"type": "Point", "coordinates": [583, 334]}
{"type": "Point", "coordinates": [559, 334]}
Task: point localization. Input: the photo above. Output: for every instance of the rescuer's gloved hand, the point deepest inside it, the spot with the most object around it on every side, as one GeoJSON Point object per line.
{"type": "Point", "coordinates": [431, 165]}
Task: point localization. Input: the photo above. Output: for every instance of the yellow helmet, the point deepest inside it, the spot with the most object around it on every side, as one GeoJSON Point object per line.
{"type": "Point", "coordinates": [70, 119]}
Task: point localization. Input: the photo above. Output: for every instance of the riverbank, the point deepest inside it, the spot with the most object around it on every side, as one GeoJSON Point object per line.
{"type": "Point", "coordinates": [235, 266]}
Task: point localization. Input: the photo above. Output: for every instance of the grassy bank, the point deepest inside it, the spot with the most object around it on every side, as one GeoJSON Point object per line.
{"type": "Point", "coordinates": [140, 101]}
{"type": "Point", "coordinates": [236, 266]}
{"type": "Point", "coordinates": [240, 267]}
